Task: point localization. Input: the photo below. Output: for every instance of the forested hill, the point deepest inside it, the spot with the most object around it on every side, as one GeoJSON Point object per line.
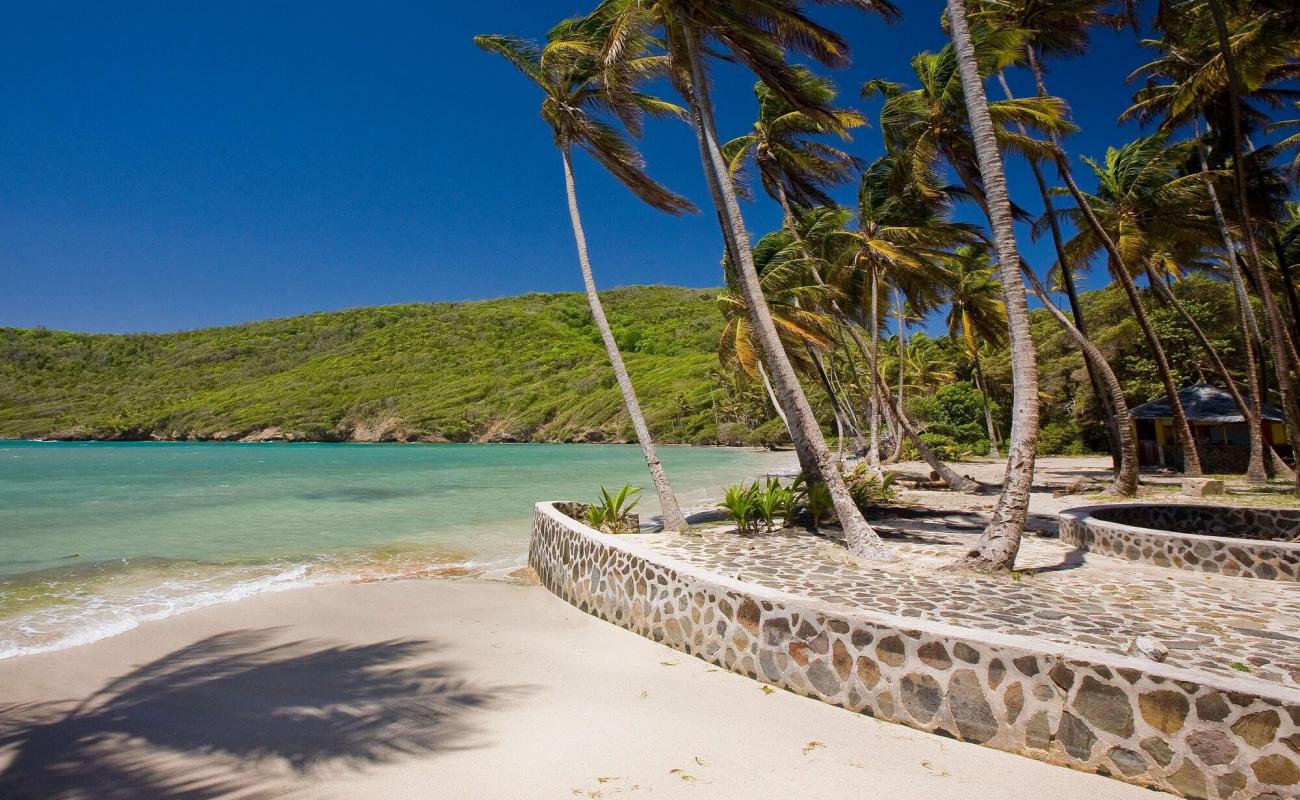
{"type": "Point", "coordinates": [520, 368]}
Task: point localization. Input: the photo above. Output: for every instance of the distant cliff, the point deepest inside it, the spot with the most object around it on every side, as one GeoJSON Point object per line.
{"type": "Point", "coordinates": [528, 368]}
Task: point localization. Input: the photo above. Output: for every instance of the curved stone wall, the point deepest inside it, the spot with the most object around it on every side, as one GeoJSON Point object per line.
{"type": "Point", "coordinates": [1249, 542]}
{"type": "Point", "coordinates": [1135, 720]}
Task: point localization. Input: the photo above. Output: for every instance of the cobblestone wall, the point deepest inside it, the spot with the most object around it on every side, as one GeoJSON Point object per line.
{"type": "Point", "coordinates": [1146, 723]}
{"type": "Point", "coordinates": [1250, 542]}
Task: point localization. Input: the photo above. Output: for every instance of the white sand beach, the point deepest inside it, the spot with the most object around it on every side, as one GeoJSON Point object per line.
{"type": "Point", "coordinates": [473, 688]}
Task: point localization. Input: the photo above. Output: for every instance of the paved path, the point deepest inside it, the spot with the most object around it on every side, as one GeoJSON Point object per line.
{"type": "Point", "coordinates": [1223, 625]}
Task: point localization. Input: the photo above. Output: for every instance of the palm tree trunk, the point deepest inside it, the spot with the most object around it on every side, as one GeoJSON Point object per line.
{"type": "Point", "coordinates": [831, 395]}
{"type": "Point", "coordinates": [1256, 471]}
{"type": "Point", "coordinates": [1191, 460]}
{"type": "Point", "coordinates": [982, 386]}
{"type": "Point", "coordinates": [1126, 477]}
{"type": "Point", "coordinates": [874, 411]}
{"type": "Point", "coordinates": [771, 395]}
{"type": "Point", "coordinates": [1285, 358]}
{"type": "Point", "coordinates": [1000, 542]}
{"type": "Point", "coordinates": [673, 519]}
{"type": "Point", "coordinates": [819, 466]}
{"type": "Point", "coordinates": [846, 403]}
{"type": "Point", "coordinates": [1067, 273]}
{"type": "Point", "coordinates": [955, 480]}
{"type": "Point", "coordinates": [902, 356]}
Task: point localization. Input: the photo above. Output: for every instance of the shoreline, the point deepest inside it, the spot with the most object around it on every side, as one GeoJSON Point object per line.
{"type": "Point", "coordinates": [293, 439]}
{"type": "Point", "coordinates": [209, 585]}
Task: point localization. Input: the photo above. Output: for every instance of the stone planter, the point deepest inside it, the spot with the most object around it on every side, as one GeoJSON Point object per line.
{"type": "Point", "coordinates": [1227, 540]}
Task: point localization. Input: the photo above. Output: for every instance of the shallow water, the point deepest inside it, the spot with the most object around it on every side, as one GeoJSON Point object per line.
{"type": "Point", "coordinates": [98, 537]}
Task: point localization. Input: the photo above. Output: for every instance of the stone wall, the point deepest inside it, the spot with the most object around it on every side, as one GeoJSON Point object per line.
{"type": "Point", "coordinates": [1249, 542]}
{"type": "Point", "coordinates": [1145, 723]}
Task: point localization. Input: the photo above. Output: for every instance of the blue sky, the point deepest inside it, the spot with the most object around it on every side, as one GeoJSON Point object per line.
{"type": "Point", "coordinates": [178, 165]}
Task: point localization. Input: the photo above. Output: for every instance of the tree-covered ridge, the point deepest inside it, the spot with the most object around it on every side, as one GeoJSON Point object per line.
{"type": "Point", "coordinates": [529, 367]}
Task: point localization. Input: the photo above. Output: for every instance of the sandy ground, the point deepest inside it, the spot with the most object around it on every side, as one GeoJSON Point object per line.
{"type": "Point", "coordinates": [457, 689]}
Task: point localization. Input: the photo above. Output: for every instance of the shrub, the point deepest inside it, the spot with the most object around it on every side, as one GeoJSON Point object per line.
{"type": "Point", "coordinates": [956, 412]}
{"type": "Point", "coordinates": [613, 513]}
{"type": "Point", "coordinates": [1062, 437]}
{"type": "Point", "coordinates": [775, 499]}
{"type": "Point", "coordinates": [819, 502]}
{"type": "Point", "coordinates": [869, 489]}
{"type": "Point", "coordinates": [742, 506]}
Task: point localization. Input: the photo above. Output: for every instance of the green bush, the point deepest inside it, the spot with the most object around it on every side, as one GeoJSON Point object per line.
{"type": "Point", "coordinates": [741, 504]}
{"type": "Point", "coordinates": [869, 489]}
{"type": "Point", "coordinates": [1061, 438]}
{"type": "Point", "coordinates": [612, 513]}
{"type": "Point", "coordinates": [774, 500]}
{"type": "Point", "coordinates": [814, 499]}
{"type": "Point", "coordinates": [955, 412]}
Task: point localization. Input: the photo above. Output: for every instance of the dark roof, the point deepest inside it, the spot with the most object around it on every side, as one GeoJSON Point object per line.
{"type": "Point", "coordinates": [1201, 403]}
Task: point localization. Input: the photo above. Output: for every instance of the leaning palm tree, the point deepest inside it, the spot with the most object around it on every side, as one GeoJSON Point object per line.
{"type": "Point", "coordinates": [757, 34]}
{"type": "Point", "coordinates": [1211, 64]}
{"type": "Point", "coordinates": [1000, 542]}
{"type": "Point", "coordinates": [796, 169]}
{"type": "Point", "coordinates": [1139, 203]}
{"type": "Point", "coordinates": [1057, 28]}
{"type": "Point", "coordinates": [977, 316]}
{"type": "Point", "coordinates": [575, 88]}
{"type": "Point", "coordinates": [901, 239]}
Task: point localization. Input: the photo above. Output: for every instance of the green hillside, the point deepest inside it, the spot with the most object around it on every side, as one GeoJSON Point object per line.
{"type": "Point", "coordinates": [520, 368]}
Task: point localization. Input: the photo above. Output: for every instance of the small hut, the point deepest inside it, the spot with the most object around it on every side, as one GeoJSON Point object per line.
{"type": "Point", "coordinates": [1222, 435]}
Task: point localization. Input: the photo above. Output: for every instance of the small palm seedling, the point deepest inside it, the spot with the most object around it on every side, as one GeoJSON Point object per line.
{"type": "Point", "coordinates": [612, 513]}
{"type": "Point", "coordinates": [742, 506]}
{"type": "Point", "coordinates": [774, 499]}
{"type": "Point", "coordinates": [868, 488]}
{"type": "Point", "coordinates": [819, 501]}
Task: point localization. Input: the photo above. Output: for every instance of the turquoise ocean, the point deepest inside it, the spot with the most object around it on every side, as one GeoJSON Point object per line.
{"type": "Point", "coordinates": [97, 537]}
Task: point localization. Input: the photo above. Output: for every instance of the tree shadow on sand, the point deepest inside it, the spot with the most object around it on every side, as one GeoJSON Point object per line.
{"type": "Point", "coordinates": [235, 713]}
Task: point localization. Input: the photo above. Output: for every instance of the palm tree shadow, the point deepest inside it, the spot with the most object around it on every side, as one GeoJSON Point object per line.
{"type": "Point", "coordinates": [231, 713]}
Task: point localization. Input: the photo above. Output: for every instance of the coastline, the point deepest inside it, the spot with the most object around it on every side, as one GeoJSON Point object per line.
{"type": "Point", "coordinates": [195, 586]}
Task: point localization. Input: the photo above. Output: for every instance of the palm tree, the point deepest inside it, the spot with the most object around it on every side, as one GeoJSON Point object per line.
{"type": "Point", "coordinates": [977, 313]}
{"type": "Point", "coordinates": [793, 166]}
{"type": "Point", "coordinates": [757, 34]}
{"type": "Point", "coordinates": [1142, 207]}
{"type": "Point", "coordinates": [1211, 64]}
{"type": "Point", "coordinates": [930, 123]}
{"type": "Point", "coordinates": [1000, 541]}
{"type": "Point", "coordinates": [1057, 28]}
{"type": "Point", "coordinates": [1061, 28]}
{"type": "Point", "coordinates": [574, 87]}
{"type": "Point", "coordinates": [795, 170]}
{"type": "Point", "coordinates": [901, 239]}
